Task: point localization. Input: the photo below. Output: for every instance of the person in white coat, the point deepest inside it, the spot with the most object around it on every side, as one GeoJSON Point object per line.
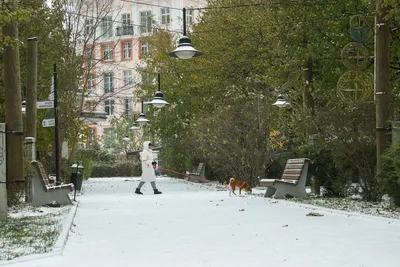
{"type": "Point", "coordinates": [148, 175]}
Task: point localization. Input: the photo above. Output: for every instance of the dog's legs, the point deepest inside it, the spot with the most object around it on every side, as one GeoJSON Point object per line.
{"type": "Point", "coordinates": [233, 188]}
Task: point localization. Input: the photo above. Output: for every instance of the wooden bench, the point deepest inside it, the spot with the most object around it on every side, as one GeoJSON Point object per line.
{"type": "Point", "coordinates": [197, 173]}
{"type": "Point", "coordinates": [42, 192]}
{"type": "Point", "coordinates": [292, 182]}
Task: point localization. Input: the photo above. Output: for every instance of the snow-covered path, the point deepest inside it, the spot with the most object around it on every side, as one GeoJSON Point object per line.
{"type": "Point", "coordinates": [193, 225]}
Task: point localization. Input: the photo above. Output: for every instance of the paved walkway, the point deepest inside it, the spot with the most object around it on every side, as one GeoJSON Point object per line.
{"type": "Point", "coordinates": [192, 225]}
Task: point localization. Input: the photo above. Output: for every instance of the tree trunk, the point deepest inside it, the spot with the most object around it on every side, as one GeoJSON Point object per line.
{"type": "Point", "coordinates": [13, 112]}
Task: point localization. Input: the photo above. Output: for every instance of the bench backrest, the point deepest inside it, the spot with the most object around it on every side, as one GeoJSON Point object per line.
{"type": "Point", "coordinates": [294, 169]}
{"type": "Point", "coordinates": [40, 169]}
{"type": "Point", "coordinates": [199, 168]}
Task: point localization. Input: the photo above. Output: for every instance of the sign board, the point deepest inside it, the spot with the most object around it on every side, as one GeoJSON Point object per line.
{"type": "Point", "coordinates": [44, 104]}
{"type": "Point", "coordinates": [49, 122]}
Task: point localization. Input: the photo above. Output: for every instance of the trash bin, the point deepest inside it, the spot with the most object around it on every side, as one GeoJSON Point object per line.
{"type": "Point", "coordinates": [77, 179]}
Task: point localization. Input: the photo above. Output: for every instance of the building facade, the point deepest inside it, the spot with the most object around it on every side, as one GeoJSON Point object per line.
{"type": "Point", "coordinates": [113, 50]}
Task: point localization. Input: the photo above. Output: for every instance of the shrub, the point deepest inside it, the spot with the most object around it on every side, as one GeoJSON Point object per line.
{"type": "Point", "coordinates": [389, 173]}
{"type": "Point", "coordinates": [118, 169]}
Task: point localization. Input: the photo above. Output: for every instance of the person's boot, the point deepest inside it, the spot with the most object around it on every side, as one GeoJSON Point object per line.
{"type": "Point", "coordinates": [156, 192]}
{"type": "Point", "coordinates": [137, 191]}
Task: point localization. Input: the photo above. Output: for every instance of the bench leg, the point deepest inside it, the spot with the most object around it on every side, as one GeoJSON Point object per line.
{"type": "Point", "coordinates": [62, 197]}
{"type": "Point", "coordinates": [295, 191]}
{"type": "Point", "coordinates": [270, 191]}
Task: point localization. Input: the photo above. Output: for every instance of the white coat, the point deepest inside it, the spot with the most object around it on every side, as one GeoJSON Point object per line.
{"type": "Point", "coordinates": [146, 156]}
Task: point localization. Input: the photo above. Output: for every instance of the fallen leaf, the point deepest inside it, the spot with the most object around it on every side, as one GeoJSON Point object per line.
{"type": "Point", "coordinates": [314, 214]}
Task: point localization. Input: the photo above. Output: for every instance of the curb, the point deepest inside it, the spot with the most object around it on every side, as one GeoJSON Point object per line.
{"type": "Point", "coordinates": [63, 237]}
{"type": "Point", "coordinates": [59, 245]}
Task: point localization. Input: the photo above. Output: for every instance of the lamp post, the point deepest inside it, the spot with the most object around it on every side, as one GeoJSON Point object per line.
{"type": "Point", "coordinates": [185, 50]}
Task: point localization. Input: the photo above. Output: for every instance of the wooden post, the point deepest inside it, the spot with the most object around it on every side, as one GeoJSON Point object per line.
{"type": "Point", "coordinates": [13, 112]}
{"type": "Point", "coordinates": [382, 98]}
{"type": "Point", "coordinates": [3, 168]}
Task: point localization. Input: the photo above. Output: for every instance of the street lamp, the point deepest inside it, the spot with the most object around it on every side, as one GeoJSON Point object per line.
{"type": "Point", "coordinates": [281, 102]}
{"type": "Point", "coordinates": [158, 100]}
{"type": "Point", "coordinates": [185, 49]}
{"type": "Point", "coordinates": [142, 118]}
{"type": "Point", "coordinates": [134, 127]}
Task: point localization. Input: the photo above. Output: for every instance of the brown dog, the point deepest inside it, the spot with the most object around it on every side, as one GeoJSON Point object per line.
{"type": "Point", "coordinates": [233, 183]}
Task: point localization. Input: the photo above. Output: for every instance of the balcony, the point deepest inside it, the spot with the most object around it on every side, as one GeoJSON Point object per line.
{"type": "Point", "coordinates": [125, 30]}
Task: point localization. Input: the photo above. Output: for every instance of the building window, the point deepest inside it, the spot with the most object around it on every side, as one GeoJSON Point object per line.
{"type": "Point", "coordinates": [110, 136]}
{"type": "Point", "coordinates": [127, 27]}
{"type": "Point", "coordinates": [128, 78]}
{"type": "Point", "coordinates": [146, 22]}
{"type": "Point", "coordinates": [107, 52]}
{"type": "Point", "coordinates": [147, 79]}
{"type": "Point", "coordinates": [189, 16]}
{"type": "Point", "coordinates": [90, 106]}
{"type": "Point", "coordinates": [106, 27]}
{"type": "Point", "coordinates": [127, 50]}
{"type": "Point", "coordinates": [89, 57]}
{"type": "Point", "coordinates": [126, 19]}
{"type": "Point", "coordinates": [108, 82]}
{"type": "Point", "coordinates": [88, 26]}
{"type": "Point", "coordinates": [92, 136]}
{"type": "Point", "coordinates": [165, 16]}
{"type": "Point", "coordinates": [90, 83]}
{"type": "Point", "coordinates": [144, 48]}
{"type": "Point", "coordinates": [109, 107]}
{"type": "Point", "coordinates": [128, 107]}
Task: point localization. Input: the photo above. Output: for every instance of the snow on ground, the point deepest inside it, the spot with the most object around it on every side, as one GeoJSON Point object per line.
{"type": "Point", "coordinates": [197, 225]}
{"type": "Point", "coordinates": [30, 230]}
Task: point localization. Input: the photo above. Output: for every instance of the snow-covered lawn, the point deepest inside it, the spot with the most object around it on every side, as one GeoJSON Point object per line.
{"type": "Point", "coordinates": [30, 230]}
{"type": "Point", "coordinates": [198, 225]}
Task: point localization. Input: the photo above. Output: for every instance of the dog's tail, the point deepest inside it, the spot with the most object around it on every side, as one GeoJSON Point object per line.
{"type": "Point", "coordinates": [231, 180]}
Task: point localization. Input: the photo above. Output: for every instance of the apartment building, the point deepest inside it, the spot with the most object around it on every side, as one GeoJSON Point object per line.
{"type": "Point", "coordinates": [114, 51]}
